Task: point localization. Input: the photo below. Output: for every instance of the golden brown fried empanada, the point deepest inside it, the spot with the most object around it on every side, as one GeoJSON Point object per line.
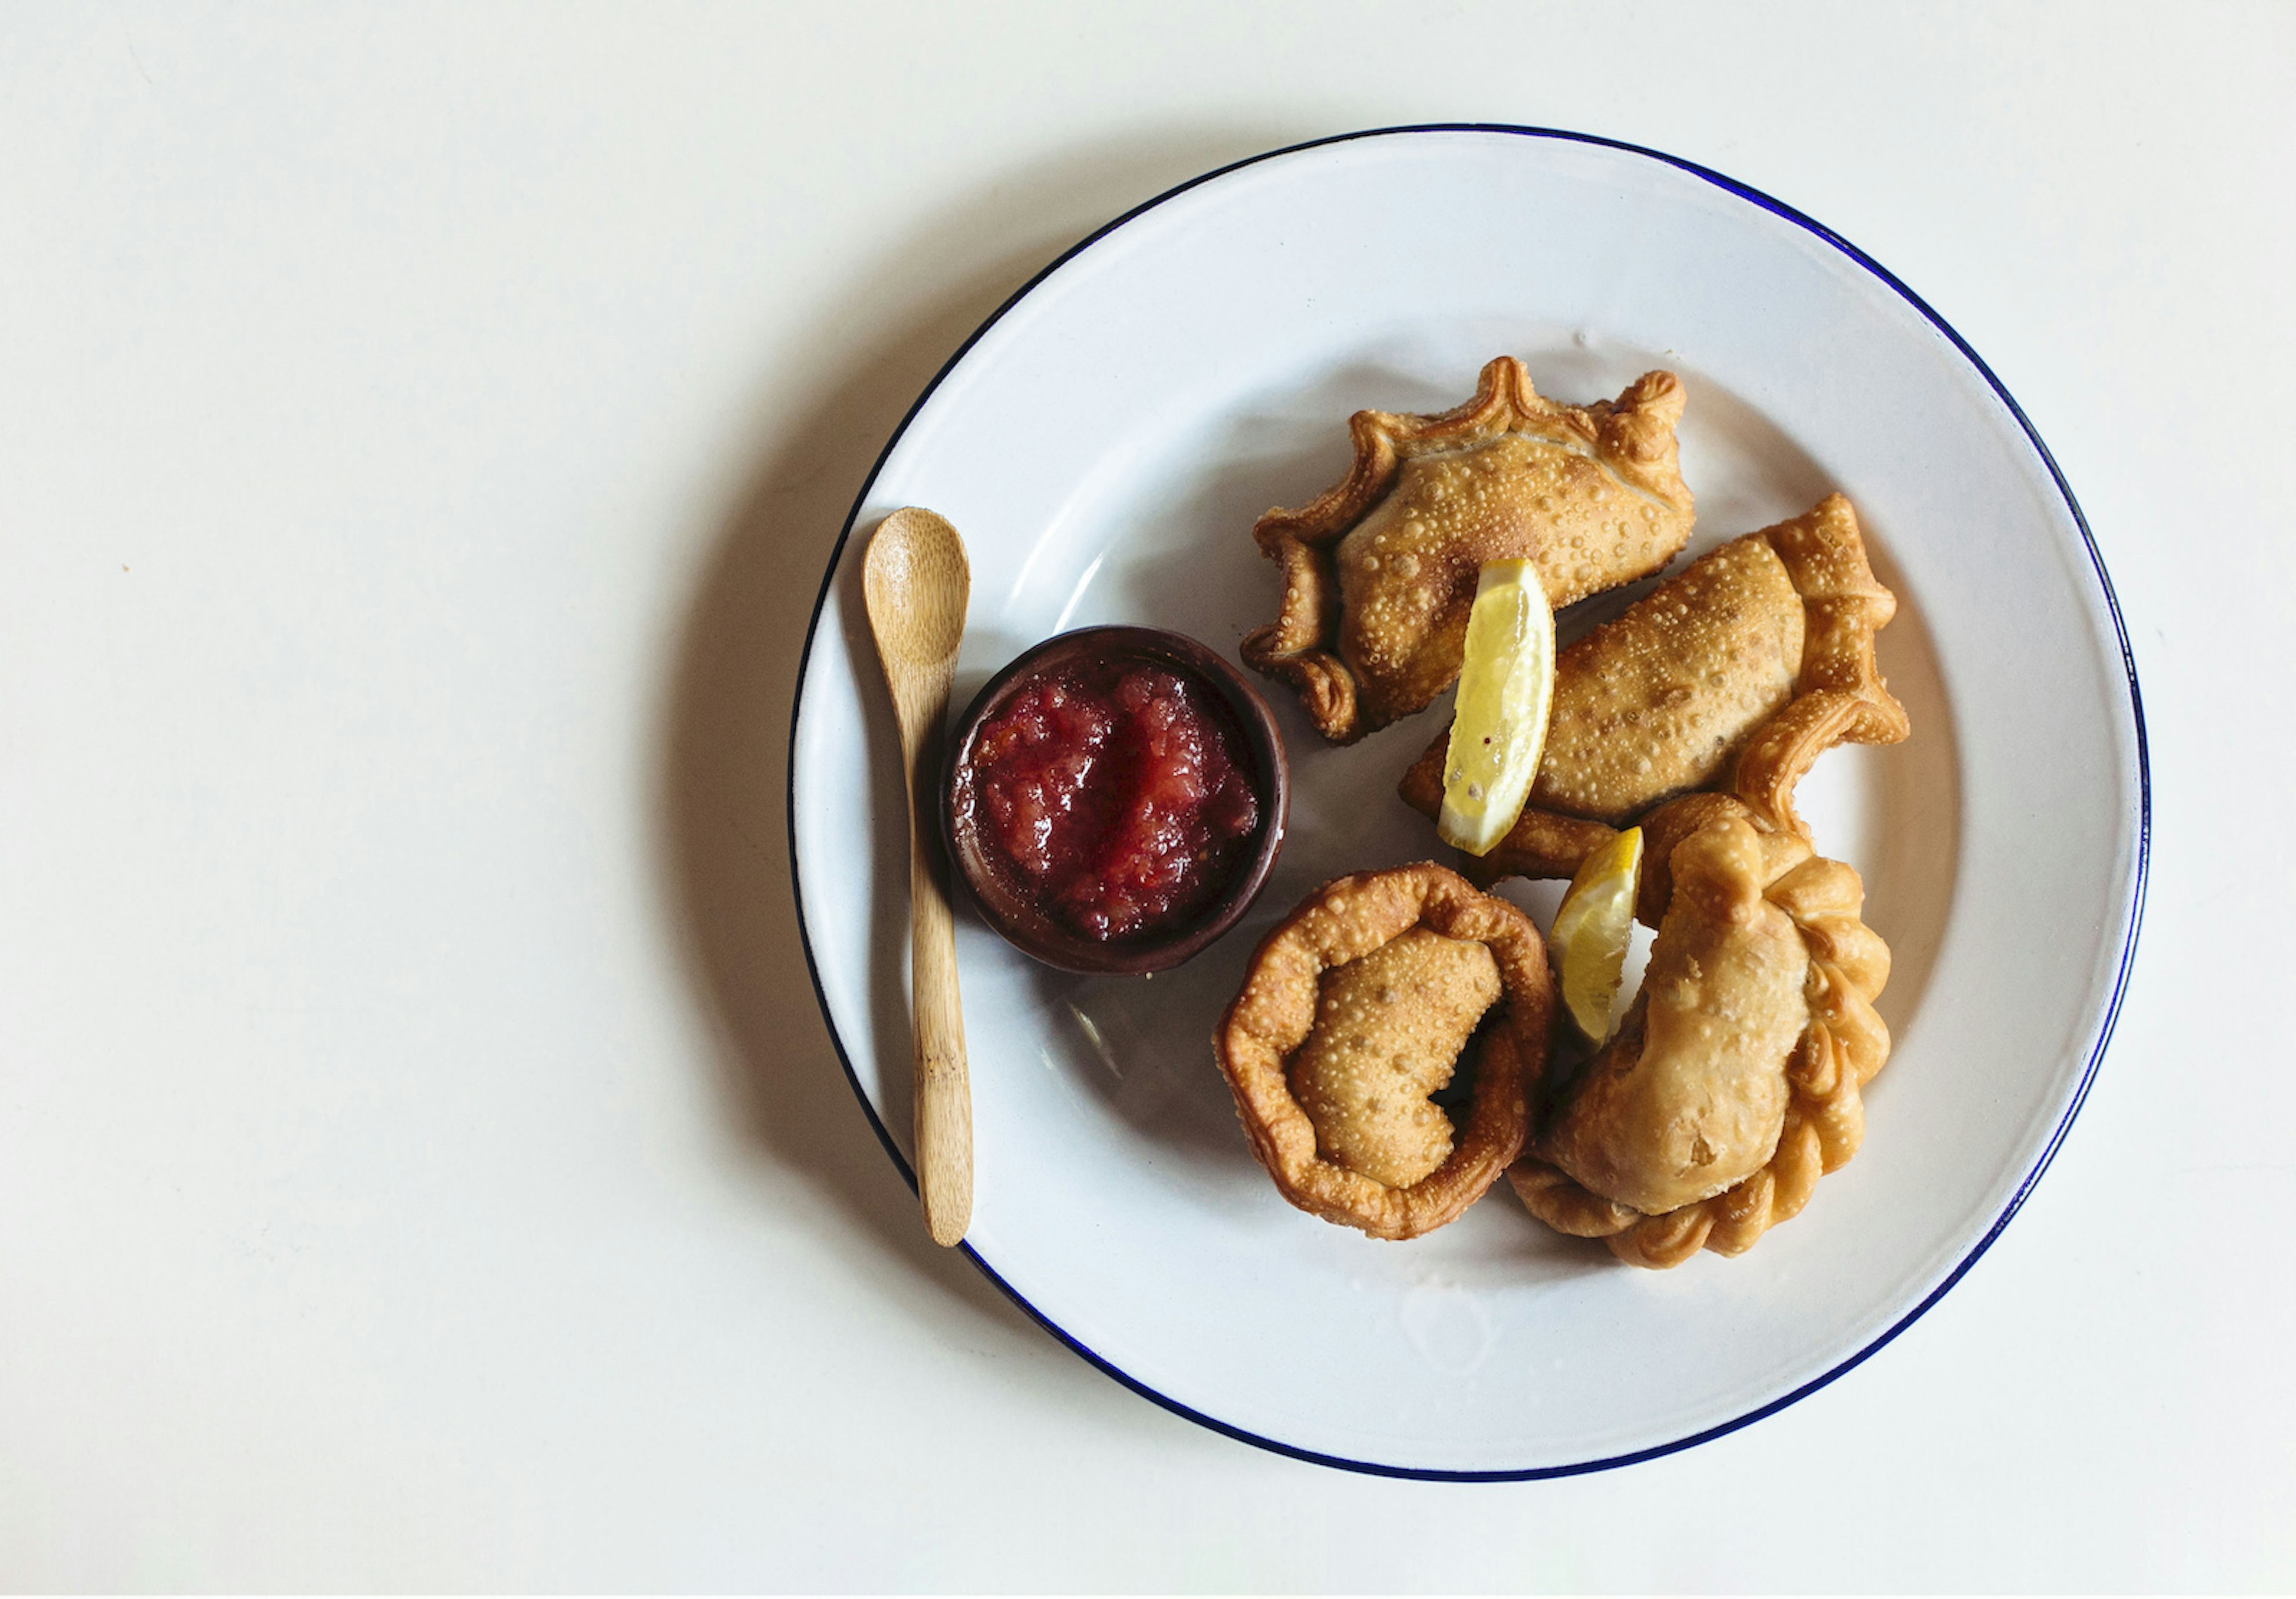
{"type": "Point", "coordinates": [1380, 571]}
{"type": "Point", "coordinates": [1737, 673]}
{"type": "Point", "coordinates": [1355, 1008]}
{"type": "Point", "coordinates": [1734, 1082]}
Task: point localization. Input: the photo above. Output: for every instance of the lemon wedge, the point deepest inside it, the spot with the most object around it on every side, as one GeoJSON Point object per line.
{"type": "Point", "coordinates": [1506, 687]}
{"type": "Point", "coordinates": [1591, 929]}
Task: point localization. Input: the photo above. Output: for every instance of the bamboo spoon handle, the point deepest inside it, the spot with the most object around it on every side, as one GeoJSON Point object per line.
{"type": "Point", "coordinates": [944, 1096]}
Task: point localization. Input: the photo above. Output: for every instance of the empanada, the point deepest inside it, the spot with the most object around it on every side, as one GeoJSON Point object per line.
{"type": "Point", "coordinates": [1734, 1082]}
{"type": "Point", "coordinates": [1736, 673]}
{"type": "Point", "coordinates": [1356, 1008]}
{"type": "Point", "coordinates": [1380, 571]}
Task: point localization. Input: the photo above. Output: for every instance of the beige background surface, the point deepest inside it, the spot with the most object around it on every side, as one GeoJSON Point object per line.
{"type": "Point", "coordinates": [422, 429]}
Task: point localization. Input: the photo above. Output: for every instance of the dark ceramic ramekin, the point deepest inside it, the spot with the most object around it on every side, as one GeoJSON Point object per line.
{"type": "Point", "coordinates": [1029, 930]}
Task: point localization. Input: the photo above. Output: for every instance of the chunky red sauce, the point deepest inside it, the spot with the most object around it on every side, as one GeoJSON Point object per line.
{"type": "Point", "coordinates": [1116, 795]}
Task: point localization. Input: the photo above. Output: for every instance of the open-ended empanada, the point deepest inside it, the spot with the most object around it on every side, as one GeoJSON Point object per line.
{"type": "Point", "coordinates": [1734, 674]}
{"type": "Point", "coordinates": [1734, 1083]}
{"type": "Point", "coordinates": [1356, 1009]}
{"type": "Point", "coordinates": [1380, 571]}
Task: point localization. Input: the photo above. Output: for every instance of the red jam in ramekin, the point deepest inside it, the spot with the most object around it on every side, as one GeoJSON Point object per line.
{"type": "Point", "coordinates": [1107, 796]}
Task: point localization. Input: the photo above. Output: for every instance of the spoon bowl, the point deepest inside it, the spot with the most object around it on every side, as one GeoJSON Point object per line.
{"type": "Point", "coordinates": [917, 582]}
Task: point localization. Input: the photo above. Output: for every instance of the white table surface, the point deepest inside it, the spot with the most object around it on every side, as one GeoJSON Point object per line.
{"type": "Point", "coordinates": [421, 1162]}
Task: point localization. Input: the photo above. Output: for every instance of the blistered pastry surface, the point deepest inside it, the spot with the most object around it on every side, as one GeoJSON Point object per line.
{"type": "Point", "coordinates": [1658, 700]}
{"type": "Point", "coordinates": [1389, 1027]}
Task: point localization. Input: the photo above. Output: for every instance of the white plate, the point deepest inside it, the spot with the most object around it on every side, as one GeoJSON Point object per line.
{"type": "Point", "coordinates": [1104, 444]}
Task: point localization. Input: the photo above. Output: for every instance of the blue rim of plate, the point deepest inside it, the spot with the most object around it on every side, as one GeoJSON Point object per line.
{"type": "Point", "coordinates": [1810, 225]}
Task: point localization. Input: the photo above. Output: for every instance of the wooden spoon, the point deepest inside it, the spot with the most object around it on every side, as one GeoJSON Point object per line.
{"type": "Point", "coordinates": [917, 582]}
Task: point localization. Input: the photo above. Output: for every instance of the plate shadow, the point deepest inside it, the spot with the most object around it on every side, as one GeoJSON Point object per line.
{"type": "Point", "coordinates": [723, 751]}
